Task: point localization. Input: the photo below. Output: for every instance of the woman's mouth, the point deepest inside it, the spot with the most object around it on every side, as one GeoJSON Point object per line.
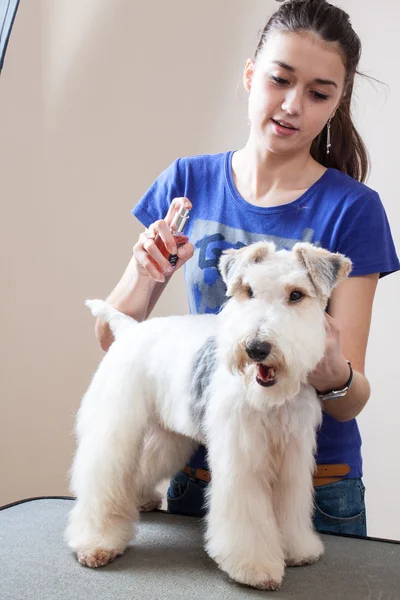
{"type": "Point", "coordinates": [266, 375]}
{"type": "Point", "coordinates": [283, 128]}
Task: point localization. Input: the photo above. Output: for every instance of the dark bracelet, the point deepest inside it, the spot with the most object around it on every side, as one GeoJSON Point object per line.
{"type": "Point", "coordinates": [337, 393]}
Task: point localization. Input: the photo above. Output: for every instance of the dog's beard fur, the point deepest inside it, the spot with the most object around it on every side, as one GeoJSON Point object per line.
{"type": "Point", "coordinates": [290, 374]}
{"type": "Point", "coordinates": [293, 353]}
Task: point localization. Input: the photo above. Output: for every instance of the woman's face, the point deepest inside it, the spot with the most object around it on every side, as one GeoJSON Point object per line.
{"type": "Point", "coordinates": [295, 86]}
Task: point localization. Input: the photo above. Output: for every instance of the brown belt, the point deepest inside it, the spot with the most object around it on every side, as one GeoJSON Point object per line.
{"type": "Point", "coordinates": [323, 474]}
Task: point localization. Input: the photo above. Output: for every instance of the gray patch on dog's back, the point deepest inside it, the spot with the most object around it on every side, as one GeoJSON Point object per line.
{"type": "Point", "coordinates": [204, 366]}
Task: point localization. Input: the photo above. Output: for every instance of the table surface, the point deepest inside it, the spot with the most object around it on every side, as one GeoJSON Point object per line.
{"type": "Point", "coordinates": [167, 561]}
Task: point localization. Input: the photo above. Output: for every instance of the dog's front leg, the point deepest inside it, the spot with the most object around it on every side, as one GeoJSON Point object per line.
{"type": "Point", "coordinates": [242, 533]}
{"type": "Point", "coordinates": [294, 503]}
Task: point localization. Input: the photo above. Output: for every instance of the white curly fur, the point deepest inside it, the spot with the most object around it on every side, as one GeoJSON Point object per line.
{"type": "Point", "coordinates": [138, 424]}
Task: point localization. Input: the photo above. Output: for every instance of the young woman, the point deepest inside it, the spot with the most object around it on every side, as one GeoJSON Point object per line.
{"type": "Point", "coordinates": [298, 177]}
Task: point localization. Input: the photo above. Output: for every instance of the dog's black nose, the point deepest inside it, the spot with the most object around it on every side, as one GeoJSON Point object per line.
{"type": "Point", "coordinates": [258, 350]}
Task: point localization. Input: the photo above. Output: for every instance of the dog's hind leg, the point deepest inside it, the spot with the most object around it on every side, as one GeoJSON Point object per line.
{"type": "Point", "coordinates": [111, 427]}
{"type": "Point", "coordinates": [164, 453]}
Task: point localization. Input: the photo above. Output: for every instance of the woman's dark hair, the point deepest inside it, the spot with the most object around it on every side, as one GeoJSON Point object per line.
{"type": "Point", "coordinates": [348, 153]}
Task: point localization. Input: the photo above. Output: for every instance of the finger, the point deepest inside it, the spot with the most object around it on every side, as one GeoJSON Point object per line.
{"type": "Point", "coordinates": [184, 253]}
{"type": "Point", "coordinates": [175, 205]}
{"type": "Point", "coordinates": [146, 262]}
{"type": "Point", "coordinates": [330, 322]}
{"type": "Point", "coordinates": [333, 325]}
{"type": "Point", "coordinates": [162, 263]}
{"type": "Point", "coordinates": [159, 229]}
{"type": "Point", "coordinates": [166, 236]}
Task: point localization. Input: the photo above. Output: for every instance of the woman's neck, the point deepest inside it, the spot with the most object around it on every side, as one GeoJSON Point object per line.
{"type": "Point", "coordinates": [268, 179]}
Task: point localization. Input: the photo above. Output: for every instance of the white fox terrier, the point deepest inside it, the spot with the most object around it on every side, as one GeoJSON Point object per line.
{"type": "Point", "coordinates": [235, 382]}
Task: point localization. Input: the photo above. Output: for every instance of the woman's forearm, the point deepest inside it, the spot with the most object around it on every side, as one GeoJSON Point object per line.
{"type": "Point", "coordinates": [350, 406]}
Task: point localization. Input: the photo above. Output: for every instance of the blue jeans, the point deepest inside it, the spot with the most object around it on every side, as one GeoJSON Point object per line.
{"type": "Point", "coordinates": [339, 507]}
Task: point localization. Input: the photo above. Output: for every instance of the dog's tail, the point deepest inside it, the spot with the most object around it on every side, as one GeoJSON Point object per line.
{"type": "Point", "coordinates": [117, 320]}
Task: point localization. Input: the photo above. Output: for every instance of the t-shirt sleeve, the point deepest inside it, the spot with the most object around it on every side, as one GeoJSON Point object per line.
{"type": "Point", "coordinates": [365, 237]}
{"type": "Point", "coordinates": [155, 203]}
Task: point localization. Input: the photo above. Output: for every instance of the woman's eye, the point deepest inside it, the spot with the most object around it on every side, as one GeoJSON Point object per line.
{"type": "Point", "coordinates": [250, 293]}
{"type": "Point", "coordinates": [318, 96]}
{"type": "Point", "coordinates": [295, 296]}
{"type": "Point", "coordinates": [279, 80]}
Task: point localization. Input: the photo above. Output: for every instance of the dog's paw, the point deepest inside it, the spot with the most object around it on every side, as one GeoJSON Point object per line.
{"type": "Point", "coordinates": [263, 576]}
{"type": "Point", "coordinates": [302, 562]}
{"type": "Point", "coordinates": [153, 502]}
{"type": "Point", "coordinates": [308, 553]}
{"type": "Point", "coordinates": [96, 558]}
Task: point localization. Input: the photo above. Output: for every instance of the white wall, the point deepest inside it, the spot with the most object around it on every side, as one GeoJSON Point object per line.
{"type": "Point", "coordinates": [377, 115]}
{"type": "Point", "coordinates": [97, 97]}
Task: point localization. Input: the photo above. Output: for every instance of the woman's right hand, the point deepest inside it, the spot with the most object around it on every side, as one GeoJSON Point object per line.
{"type": "Point", "coordinates": [150, 261]}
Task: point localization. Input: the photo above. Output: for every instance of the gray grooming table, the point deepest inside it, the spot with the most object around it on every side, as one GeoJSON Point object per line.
{"type": "Point", "coordinates": [167, 561]}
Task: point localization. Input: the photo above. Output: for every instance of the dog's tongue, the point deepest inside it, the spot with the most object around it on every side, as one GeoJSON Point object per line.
{"type": "Point", "coordinates": [265, 373]}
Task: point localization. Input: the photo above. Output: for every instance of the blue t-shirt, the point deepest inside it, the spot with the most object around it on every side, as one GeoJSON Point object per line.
{"type": "Point", "coordinates": [336, 212]}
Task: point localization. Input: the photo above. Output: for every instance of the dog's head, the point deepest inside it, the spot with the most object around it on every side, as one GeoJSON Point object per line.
{"type": "Point", "coordinates": [273, 324]}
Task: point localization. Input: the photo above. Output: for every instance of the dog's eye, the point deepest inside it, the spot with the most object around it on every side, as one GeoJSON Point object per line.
{"type": "Point", "coordinates": [295, 296]}
{"type": "Point", "coordinates": [250, 293]}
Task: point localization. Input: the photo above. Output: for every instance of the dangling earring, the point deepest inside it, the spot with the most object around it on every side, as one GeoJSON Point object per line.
{"type": "Point", "coordinates": [328, 136]}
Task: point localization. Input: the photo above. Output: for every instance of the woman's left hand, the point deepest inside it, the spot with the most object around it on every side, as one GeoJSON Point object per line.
{"type": "Point", "coordinates": [332, 372]}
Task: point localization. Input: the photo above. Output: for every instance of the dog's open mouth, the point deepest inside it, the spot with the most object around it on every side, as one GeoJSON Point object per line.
{"type": "Point", "coordinates": [266, 375]}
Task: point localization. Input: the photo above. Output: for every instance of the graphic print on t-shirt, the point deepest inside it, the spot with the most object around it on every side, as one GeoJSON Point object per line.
{"type": "Point", "coordinates": [206, 290]}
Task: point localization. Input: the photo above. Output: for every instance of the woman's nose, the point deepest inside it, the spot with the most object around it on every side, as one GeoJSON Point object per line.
{"type": "Point", "coordinates": [292, 103]}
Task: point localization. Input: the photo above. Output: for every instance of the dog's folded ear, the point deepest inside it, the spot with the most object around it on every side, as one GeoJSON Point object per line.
{"type": "Point", "coordinates": [233, 262]}
{"type": "Point", "coordinates": [325, 269]}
